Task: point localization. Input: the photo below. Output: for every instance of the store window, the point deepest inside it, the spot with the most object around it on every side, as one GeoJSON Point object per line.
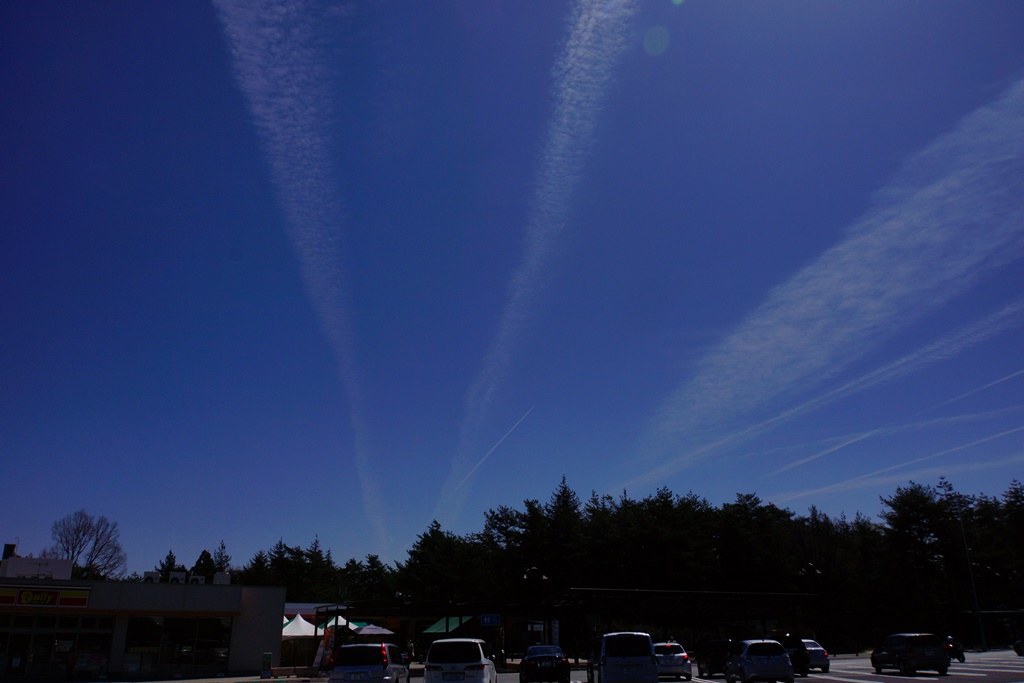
{"type": "Point", "coordinates": [178, 646]}
{"type": "Point", "coordinates": [142, 644]}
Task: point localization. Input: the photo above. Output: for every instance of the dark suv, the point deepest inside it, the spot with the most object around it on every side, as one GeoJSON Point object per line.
{"type": "Point", "coordinates": [711, 657]}
{"type": "Point", "coordinates": [910, 652]}
{"type": "Point", "coordinates": [798, 654]}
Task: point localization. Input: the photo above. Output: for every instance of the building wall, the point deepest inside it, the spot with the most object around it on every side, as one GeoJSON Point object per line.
{"type": "Point", "coordinates": [259, 633]}
{"type": "Point", "coordinates": [28, 607]}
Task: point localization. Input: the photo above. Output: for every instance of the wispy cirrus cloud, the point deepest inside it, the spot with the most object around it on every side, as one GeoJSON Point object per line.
{"type": "Point", "coordinates": [840, 443]}
{"type": "Point", "coordinates": [972, 392]}
{"type": "Point", "coordinates": [883, 477]}
{"type": "Point", "coordinates": [598, 31]}
{"type": "Point", "coordinates": [283, 75]}
{"type": "Point", "coordinates": [976, 332]}
{"type": "Point", "coordinates": [953, 215]}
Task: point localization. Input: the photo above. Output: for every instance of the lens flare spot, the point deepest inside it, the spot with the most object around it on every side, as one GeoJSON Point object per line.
{"type": "Point", "coordinates": [656, 40]}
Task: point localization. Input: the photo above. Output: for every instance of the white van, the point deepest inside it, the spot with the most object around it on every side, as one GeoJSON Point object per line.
{"type": "Point", "coordinates": [459, 660]}
{"type": "Point", "coordinates": [626, 657]}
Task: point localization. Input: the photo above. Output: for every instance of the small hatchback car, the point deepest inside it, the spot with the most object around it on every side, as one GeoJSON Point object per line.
{"type": "Point", "coordinates": [818, 655]}
{"type": "Point", "coordinates": [459, 660]}
{"type": "Point", "coordinates": [544, 663]}
{"type": "Point", "coordinates": [673, 660]}
{"type": "Point", "coordinates": [911, 652]}
{"type": "Point", "coordinates": [368, 663]}
{"type": "Point", "coordinates": [759, 660]}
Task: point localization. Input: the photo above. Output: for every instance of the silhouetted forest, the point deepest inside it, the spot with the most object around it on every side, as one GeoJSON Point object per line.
{"type": "Point", "coordinates": [915, 568]}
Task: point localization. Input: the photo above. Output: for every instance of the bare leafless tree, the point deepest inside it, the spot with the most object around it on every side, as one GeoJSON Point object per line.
{"type": "Point", "coordinates": [93, 544]}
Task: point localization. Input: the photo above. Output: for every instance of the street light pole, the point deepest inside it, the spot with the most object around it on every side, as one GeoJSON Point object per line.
{"type": "Point", "coordinates": [974, 589]}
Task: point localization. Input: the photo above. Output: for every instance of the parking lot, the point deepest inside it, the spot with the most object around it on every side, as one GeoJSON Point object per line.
{"type": "Point", "coordinates": [998, 666]}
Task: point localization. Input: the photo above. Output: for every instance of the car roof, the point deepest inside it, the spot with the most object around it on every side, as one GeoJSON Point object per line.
{"type": "Point", "coordinates": [628, 633]}
{"type": "Point", "coordinates": [366, 644]}
{"type": "Point", "coordinates": [458, 640]}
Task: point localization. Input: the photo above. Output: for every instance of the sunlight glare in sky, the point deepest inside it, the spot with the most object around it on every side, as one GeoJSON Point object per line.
{"type": "Point", "coordinates": [656, 40]}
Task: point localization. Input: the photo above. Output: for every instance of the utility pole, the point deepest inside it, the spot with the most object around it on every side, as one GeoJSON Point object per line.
{"type": "Point", "coordinates": [974, 589]}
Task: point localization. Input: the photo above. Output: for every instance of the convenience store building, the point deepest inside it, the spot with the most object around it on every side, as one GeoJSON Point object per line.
{"type": "Point", "coordinates": [66, 629]}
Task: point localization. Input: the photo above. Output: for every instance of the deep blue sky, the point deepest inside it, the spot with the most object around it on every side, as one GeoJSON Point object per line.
{"type": "Point", "coordinates": [303, 270]}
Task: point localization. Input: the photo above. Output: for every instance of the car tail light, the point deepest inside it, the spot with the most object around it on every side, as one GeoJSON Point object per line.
{"type": "Point", "coordinates": [825, 652]}
{"type": "Point", "coordinates": [686, 656]}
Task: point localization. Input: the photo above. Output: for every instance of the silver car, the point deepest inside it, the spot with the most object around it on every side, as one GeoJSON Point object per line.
{"type": "Point", "coordinates": [673, 660]}
{"type": "Point", "coordinates": [758, 660]}
{"type": "Point", "coordinates": [369, 663]}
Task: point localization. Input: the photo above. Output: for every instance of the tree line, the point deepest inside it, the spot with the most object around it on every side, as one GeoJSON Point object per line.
{"type": "Point", "coordinates": [935, 558]}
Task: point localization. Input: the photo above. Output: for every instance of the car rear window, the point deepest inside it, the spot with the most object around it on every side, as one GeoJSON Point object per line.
{"type": "Point", "coordinates": [453, 653]}
{"type": "Point", "coordinates": [670, 649]}
{"type": "Point", "coordinates": [627, 646]}
{"type": "Point", "coordinates": [923, 641]}
{"type": "Point", "coordinates": [359, 655]}
{"type": "Point", "coordinates": [765, 649]}
{"type": "Point", "coordinates": [535, 650]}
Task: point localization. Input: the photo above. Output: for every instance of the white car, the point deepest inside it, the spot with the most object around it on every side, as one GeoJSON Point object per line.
{"type": "Point", "coordinates": [626, 657]}
{"type": "Point", "coordinates": [369, 663]}
{"type": "Point", "coordinates": [459, 660]}
{"type": "Point", "coordinates": [673, 660]}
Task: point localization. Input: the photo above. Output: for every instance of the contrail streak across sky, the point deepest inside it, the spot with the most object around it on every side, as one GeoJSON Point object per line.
{"type": "Point", "coordinates": [597, 36]}
{"type": "Point", "coordinates": [283, 77]}
{"type": "Point", "coordinates": [1010, 316]}
{"type": "Point", "coordinates": [493, 448]}
{"type": "Point", "coordinates": [953, 215]}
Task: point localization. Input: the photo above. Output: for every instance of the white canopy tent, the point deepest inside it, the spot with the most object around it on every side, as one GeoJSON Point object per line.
{"type": "Point", "coordinates": [374, 630]}
{"type": "Point", "coordinates": [336, 622]}
{"type": "Point", "coordinates": [297, 628]}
